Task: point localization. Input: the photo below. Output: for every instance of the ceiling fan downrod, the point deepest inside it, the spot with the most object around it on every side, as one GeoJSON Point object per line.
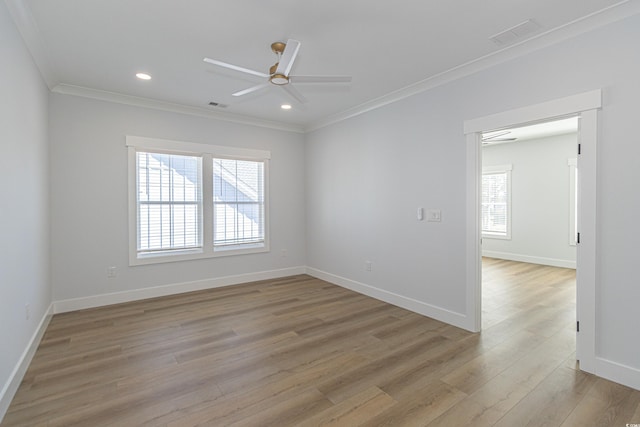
{"type": "Point", "coordinates": [277, 79]}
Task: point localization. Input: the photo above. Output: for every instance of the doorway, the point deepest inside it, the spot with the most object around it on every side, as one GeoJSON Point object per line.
{"type": "Point", "coordinates": [527, 190]}
{"type": "Point", "coordinates": [528, 236]}
{"type": "Point", "coordinates": [585, 107]}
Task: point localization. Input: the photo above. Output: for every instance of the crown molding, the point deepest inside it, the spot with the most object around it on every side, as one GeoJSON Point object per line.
{"type": "Point", "coordinates": [30, 33]}
{"type": "Point", "coordinates": [120, 98]}
{"type": "Point", "coordinates": [613, 13]}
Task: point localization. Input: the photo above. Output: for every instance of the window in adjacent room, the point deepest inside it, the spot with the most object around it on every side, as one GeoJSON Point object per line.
{"type": "Point", "coordinates": [496, 202]}
{"type": "Point", "coordinates": [190, 201]}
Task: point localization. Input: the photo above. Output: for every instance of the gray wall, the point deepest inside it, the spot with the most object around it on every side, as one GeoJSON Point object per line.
{"type": "Point", "coordinates": [540, 200]}
{"type": "Point", "coordinates": [89, 210]}
{"type": "Point", "coordinates": [367, 175]}
{"type": "Point", "coordinates": [24, 191]}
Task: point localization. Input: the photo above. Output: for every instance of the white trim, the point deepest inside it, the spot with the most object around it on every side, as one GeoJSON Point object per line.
{"type": "Point", "coordinates": [82, 303]}
{"type": "Point", "coordinates": [566, 106]}
{"type": "Point", "coordinates": [586, 250]}
{"type": "Point", "coordinates": [26, 25]}
{"type": "Point", "coordinates": [474, 230]}
{"type": "Point", "coordinates": [441, 314]}
{"type": "Point", "coordinates": [154, 104]}
{"type": "Point", "coordinates": [195, 148]}
{"type": "Point", "coordinates": [585, 105]}
{"type": "Point", "coordinates": [206, 152]}
{"type": "Point", "coordinates": [13, 382]}
{"type": "Point", "coordinates": [617, 372]}
{"type": "Point", "coordinates": [553, 262]}
{"type": "Point", "coordinates": [497, 168]}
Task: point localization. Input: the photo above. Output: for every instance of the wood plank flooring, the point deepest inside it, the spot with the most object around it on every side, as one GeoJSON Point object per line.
{"type": "Point", "coordinates": [302, 352]}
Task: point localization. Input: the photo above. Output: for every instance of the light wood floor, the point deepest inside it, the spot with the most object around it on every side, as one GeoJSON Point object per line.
{"type": "Point", "coordinates": [299, 351]}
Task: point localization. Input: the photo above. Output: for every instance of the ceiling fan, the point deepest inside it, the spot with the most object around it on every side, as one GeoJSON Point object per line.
{"type": "Point", "coordinates": [279, 72]}
{"type": "Point", "coordinates": [493, 137]}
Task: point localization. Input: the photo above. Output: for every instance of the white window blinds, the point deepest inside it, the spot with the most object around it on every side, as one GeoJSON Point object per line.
{"type": "Point", "coordinates": [169, 199]}
{"type": "Point", "coordinates": [238, 202]}
{"type": "Point", "coordinates": [496, 202]}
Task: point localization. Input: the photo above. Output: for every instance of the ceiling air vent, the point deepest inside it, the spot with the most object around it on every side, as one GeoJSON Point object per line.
{"type": "Point", "coordinates": [217, 104]}
{"type": "Point", "coordinates": [512, 34]}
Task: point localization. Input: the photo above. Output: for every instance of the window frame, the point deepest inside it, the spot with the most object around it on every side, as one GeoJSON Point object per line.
{"type": "Point", "coordinates": [207, 153]}
{"type": "Point", "coordinates": [494, 170]}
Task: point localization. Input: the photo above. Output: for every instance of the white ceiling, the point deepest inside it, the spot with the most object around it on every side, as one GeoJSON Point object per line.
{"type": "Point", "coordinates": [95, 47]}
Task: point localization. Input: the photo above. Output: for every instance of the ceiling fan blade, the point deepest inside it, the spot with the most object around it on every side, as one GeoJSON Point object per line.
{"type": "Point", "coordinates": [288, 56]}
{"type": "Point", "coordinates": [250, 90]}
{"type": "Point", "coordinates": [320, 79]}
{"type": "Point", "coordinates": [495, 134]}
{"type": "Point", "coordinates": [235, 67]}
{"type": "Point", "coordinates": [293, 92]}
{"type": "Point", "coordinates": [496, 141]}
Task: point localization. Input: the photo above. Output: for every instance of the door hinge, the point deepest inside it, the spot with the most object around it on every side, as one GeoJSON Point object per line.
{"type": "Point", "coordinates": [578, 238]}
{"type": "Point", "coordinates": [578, 326]}
{"type": "Point", "coordinates": [579, 148]}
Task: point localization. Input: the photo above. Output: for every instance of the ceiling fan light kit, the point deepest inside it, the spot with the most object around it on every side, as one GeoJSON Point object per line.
{"type": "Point", "coordinates": [279, 72]}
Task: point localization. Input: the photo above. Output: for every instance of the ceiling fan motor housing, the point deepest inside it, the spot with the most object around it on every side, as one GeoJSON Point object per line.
{"type": "Point", "coordinates": [278, 47]}
{"type": "Point", "coordinates": [279, 79]}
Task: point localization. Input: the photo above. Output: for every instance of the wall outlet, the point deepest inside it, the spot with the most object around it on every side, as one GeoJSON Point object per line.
{"type": "Point", "coordinates": [283, 253]}
{"type": "Point", "coordinates": [367, 265]}
{"type": "Point", "coordinates": [434, 215]}
{"type": "Point", "coordinates": [111, 272]}
{"type": "Point", "coordinates": [27, 311]}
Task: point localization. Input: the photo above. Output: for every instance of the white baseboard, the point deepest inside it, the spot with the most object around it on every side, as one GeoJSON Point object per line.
{"type": "Point", "coordinates": [74, 304]}
{"type": "Point", "coordinates": [11, 386]}
{"type": "Point", "coordinates": [441, 314]}
{"type": "Point", "coordinates": [617, 372]}
{"type": "Point", "coordinates": [553, 262]}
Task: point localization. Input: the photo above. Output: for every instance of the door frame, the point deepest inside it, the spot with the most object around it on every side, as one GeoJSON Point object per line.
{"type": "Point", "coordinates": [585, 106]}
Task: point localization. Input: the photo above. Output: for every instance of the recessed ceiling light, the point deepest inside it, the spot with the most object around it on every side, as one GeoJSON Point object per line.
{"type": "Point", "coordinates": [285, 107]}
{"type": "Point", "coordinates": [143, 76]}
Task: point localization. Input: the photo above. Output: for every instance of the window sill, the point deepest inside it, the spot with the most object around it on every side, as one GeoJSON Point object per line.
{"type": "Point", "coordinates": [250, 248]}
{"type": "Point", "coordinates": [188, 255]}
{"type": "Point", "coordinates": [496, 236]}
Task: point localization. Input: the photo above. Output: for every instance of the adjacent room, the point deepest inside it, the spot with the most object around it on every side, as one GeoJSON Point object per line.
{"type": "Point", "coordinates": [274, 213]}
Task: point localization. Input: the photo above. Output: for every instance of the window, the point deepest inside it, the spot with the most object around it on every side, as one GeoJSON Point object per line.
{"type": "Point", "coordinates": [190, 201]}
{"type": "Point", "coordinates": [496, 202]}
{"type": "Point", "coordinates": [169, 214]}
{"type": "Point", "coordinates": [238, 202]}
